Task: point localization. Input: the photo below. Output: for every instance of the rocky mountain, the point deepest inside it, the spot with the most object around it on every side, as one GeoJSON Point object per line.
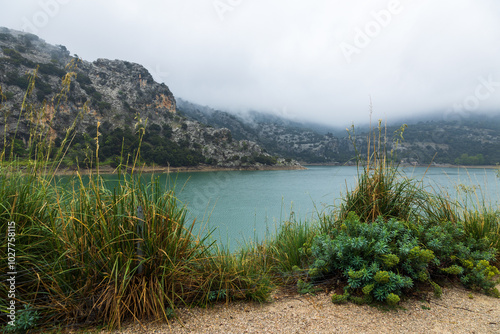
{"type": "Point", "coordinates": [474, 140]}
{"type": "Point", "coordinates": [469, 140]}
{"type": "Point", "coordinates": [277, 135]}
{"type": "Point", "coordinates": [114, 101]}
{"type": "Point", "coordinates": [119, 104]}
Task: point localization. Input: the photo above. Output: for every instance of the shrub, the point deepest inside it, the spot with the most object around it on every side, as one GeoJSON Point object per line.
{"type": "Point", "coordinates": [20, 81]}
{"type": "Point", "coordinates": [383, 259]}
{"type": "Point", "coordinates": [26, 319]}
{"type": "Point", "coordinates": [393, 299]}
{"type": "Point", "coordinates": [103, 106]}
{"type": "Point", "coordinates": [265, 159]}
{"type": "Point", "coordinates": [52, 69]}
{"type": "Point", "coordinates": [340, 299]}
{"type": "Point", "coordinates": [305, 287]}
{"type": "Point", "coordinates": [459, 254]}
{"type": "Point", "coordinates": [437, 289]}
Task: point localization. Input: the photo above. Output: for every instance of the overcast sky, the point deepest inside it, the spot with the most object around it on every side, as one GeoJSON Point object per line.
{"type": "Point", "coordinates": [320, 60]}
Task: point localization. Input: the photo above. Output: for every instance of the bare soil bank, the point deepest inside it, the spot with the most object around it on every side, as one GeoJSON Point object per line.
{"type": "Point", "coordinates": [167, 169]}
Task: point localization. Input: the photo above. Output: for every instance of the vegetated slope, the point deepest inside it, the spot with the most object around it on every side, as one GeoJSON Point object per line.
{"type": "Point", "coordinates": [471, 141]}
{"type": "Point", "coordinates": [112, 100]}
{"type": "Point", "coordinates": [276, 134]}
{"type": "Point", "coordinates": [474, 140]}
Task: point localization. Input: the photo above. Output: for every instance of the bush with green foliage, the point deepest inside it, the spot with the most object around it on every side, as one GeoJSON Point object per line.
{"type": "Point", "coordinates": [383, 259]}
{"type": "Point", "coordinates": [26, 319]}
{"type": "Point", "coordinates": [265, 160]}
{"type": "Point", "coordinates": [460, 254]}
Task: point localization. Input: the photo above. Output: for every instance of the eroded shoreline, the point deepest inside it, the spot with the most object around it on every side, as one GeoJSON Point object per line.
{"type": "Point", "coordinates": [107, 170]}
{"type": "Point", "coordinates": [167, 169]}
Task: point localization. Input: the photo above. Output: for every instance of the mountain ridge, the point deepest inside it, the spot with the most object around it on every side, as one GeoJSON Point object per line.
{"type": "Point", "coordinates": [442, 138]}
{"type": "Point", "coordinates": [114, 101]}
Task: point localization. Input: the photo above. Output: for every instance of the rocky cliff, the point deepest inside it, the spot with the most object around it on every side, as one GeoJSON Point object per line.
{"type": "Point", "coordinates": [109, 100]}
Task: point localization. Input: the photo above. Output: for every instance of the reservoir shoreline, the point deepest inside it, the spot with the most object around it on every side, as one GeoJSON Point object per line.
{"type": "Point", "coordinates": [107, 170]}
{"type": "Point", "coordinates": [168, 170]}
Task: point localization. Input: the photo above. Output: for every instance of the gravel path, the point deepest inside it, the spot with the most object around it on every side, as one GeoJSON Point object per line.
{"type": "Point", "coordinates": [457, 311]}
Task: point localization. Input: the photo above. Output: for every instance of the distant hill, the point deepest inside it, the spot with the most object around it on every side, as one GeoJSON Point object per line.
{"type": "Point", "coordinates": [276, 134]}
{"type": "Point", "coordinates": [474, 140]}
{"type": "Point", "coordinates": [112, 100]}
{"type": "Point", "coordinates": [471, 140]}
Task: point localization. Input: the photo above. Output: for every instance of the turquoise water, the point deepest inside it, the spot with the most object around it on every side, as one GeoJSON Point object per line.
{"type": "Point", "coordinates": [247, 204]}
{"type": "Point", "coordinates": [243, 205]}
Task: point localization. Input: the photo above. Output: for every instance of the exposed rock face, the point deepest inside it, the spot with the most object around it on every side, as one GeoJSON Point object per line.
{"type": "Point", "coordinates": [114, 90]}
{"type": "Point", "coordinates": [277, 135]}
{"type": "Point", "coordinates": [115, 93]}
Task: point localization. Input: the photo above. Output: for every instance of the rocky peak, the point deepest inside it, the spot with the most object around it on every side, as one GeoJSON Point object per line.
{"type": "Point", "coordinates": [114, 98]}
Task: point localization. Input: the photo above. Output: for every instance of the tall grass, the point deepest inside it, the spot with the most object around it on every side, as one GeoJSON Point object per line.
{"type": "Point", "coordinates": [288, 247]}
{"type": "Point", "coordinates": [88, 252]}
{"type": "Point", "coordinates": [469, 208]}
{"type": "Point", "coordinates": [480, 218]}
{"type": "Point", "coordinates": [382, 190]}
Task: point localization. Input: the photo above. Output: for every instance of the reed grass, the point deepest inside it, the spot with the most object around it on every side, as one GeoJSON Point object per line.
{"type": "Point", "coordinates": [90, 252]}
{"type": "Point", "coordinates": [382, 190]}
{"type": "Point", "coordinates": [288, 248]}
{"type": "Point", "coordinates": [469, 208]}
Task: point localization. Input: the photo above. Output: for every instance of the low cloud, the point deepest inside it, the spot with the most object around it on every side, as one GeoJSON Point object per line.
{"type": "Point", "coordinates": [319, 60]}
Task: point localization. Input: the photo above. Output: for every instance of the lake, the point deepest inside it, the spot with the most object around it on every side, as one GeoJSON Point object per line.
{"type": "Point", "coordinates": [245, 205]}
{"type": "Point", "coordinates": [250, 204]}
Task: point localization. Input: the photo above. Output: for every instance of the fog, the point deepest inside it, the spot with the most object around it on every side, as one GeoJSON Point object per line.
{"type": "Point", "coordinates": [320, 61]}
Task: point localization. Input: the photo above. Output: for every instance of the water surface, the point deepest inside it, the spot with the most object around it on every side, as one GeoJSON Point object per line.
{"type": "Point", "coordinates": [239, 205]}
{"type": "Point", "coordinates": [248, 204]}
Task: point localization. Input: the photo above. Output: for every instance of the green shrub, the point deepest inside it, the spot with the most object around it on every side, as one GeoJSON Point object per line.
{"type": "Point", "coordinates": [266, 160]}
{"type": "Point", "coordinates": [393, 299]}
{"type": "Point", "coordinates": [12, 78]}
{"type": "Point", "coordinates": [9, 95]}
{"type": "Point", "coordinates": [453, 270]}
{"type": "Point", "coordinates": [461, 255]}
{"type": "Point", "coordinates": [103, 106]}
{"type": "Point", "coordinates": [340, 299]}
{"type": "Point", "coordinates": [26, 319]}
{"type": "Point", "coordinates": [52, 69]}
{"type": "Point", "coordinates": [305, 287]}
{"type": "Point", "coordinates": [383, 259]}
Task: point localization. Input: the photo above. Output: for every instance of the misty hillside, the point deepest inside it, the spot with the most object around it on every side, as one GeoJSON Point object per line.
{"type": "Point", "coordinates": [471, 140]}
{"type": "Point", "coordinates": [276, 134]}
{"type": "Point", "coordinates": [117, 102]}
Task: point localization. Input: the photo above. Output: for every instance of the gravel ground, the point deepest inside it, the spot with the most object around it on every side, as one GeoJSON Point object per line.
{"type": "Point", "coordinates": [457, 311]}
